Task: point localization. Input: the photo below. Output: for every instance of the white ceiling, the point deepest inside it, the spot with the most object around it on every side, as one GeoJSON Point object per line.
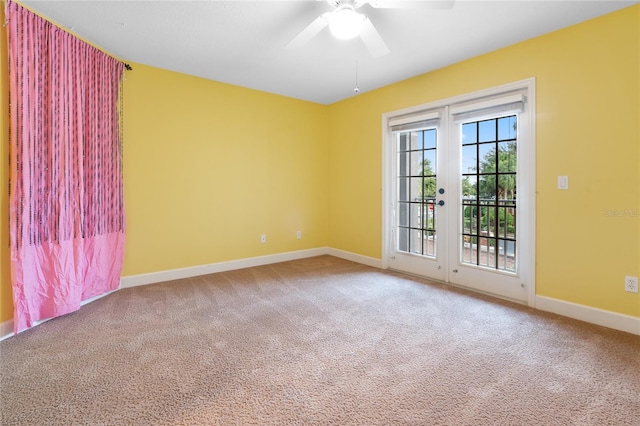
{"type": "Point", "coordinates": [244, 42]}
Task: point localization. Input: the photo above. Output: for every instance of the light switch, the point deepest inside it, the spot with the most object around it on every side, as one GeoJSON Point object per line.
{"type": "Point", "coordinates": [563, 182]}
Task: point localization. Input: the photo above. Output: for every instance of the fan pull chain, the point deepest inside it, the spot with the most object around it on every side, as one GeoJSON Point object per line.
{"type": "Point", "coordinates": [356, 89]}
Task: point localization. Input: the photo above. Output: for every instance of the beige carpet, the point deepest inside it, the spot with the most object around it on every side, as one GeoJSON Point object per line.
{"type": "Point", "coordinates": [320, 341]}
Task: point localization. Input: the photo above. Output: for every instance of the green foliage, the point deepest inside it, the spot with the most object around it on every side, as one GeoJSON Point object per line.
{"type": "Point", "coordinates": [429, 186]}
{"type": "Point", "coordinates": [468, 188]}
{"type": "Point", "coordinates": [506, 163]}
{"type": "Point", "coordinates": [488, 221]}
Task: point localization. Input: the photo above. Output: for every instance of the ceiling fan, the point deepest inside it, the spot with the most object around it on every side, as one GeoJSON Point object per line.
{"type": "Point", "coordinates": [345, 23]}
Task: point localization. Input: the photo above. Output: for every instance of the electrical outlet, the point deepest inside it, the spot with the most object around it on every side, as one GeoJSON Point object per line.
{"type": "Point", "coordinates": [631, 284]}
{"type": "Point", "coordinates": [299, 234]}
{"type": "Point", "coordinates": [263, 238]}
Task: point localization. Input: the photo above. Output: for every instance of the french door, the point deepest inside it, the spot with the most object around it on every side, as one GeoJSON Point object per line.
{"type": "Point", "coordinates": [459, 192]}
{"type": "Point", "coordinates": [418, 222]}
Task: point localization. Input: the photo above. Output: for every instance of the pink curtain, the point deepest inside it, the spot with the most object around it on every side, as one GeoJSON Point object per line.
{"type": "Point", "coordinates": [66, 198]}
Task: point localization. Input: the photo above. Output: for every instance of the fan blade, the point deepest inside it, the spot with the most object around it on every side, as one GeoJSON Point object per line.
{"type": "Point", "coordinates": [310, 32]}
{"type": "Point", "coordinates": [372, 40]}
{"type": "Point", "coordinates": [410, 4]}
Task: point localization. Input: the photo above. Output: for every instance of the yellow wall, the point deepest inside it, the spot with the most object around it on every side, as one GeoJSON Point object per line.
{"type": "Point", "coordinates": [588, 109]}
{"type": "Point", "coordinates": [209, 166]}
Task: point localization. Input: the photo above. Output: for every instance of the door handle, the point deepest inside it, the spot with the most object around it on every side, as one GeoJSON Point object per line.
{"type": "Point", "coordinates": [441, 191]}
{"type": "Point", "coordinates": [441, 203]}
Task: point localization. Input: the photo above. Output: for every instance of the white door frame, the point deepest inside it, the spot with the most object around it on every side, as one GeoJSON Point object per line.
{"type": "Point", "coordinates": [526, 169]}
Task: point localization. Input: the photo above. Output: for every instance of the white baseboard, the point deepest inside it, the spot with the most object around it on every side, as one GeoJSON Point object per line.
{"type": "Point", "coordinates": [212, 268]}
{"type": "Point", "coordinates": [6, 329]}
{"type": "Point", "coordinates": [358, 258]}
{"type": "Point", "coordinates": [596, 316]}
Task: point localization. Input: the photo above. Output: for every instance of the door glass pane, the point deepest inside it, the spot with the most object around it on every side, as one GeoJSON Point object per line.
{"type": "Point", "coordinates": [487, 154]}
{"type": "Point", "coordinates": [507, 157]}
{"type": "Point", "coordinates": [415, 141]}
{"type": "Point", "coordinates": [429, 162]}
{"type": "Point", "coordinates": [430, 243]}
{"type": "Point", "coordinates": [469, 158]}
{"type": "Point", "coordinates": [415, 216]}
{"type": "Point", "coordinates": [469, 133]}
{"type": "Point", "coordinates": [403, 214]}
{"type": "Point", "coordinates": [415, 192]}
{"type": "Point", "coordinates": [403, 163]}
{"type": "Point", "coordinates": [415, 241]}
{"type": "Point", "coordinates": [468, 219]}
{"type": "Point", "coordinates": [469, 186]}
{"type": "Point", "coordinates": [487, 131]}
{"type": "Point", "coordinates": [417, 158]}
{"type": "Point", "coordinates": [429, 139]}
{"type": "Point", "coordinates": [403, 239]}
{"type": "Point", "coordinates": [507, 128]}
{"type": "Point", "coordinates": [488, 187]}
{"type": "Point", "coordinates": [403, 188]}
{"type": "Point", "coordinates": [429, 189]}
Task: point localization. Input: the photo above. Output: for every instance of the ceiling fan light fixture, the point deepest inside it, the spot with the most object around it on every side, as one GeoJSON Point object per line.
{"type": "Point", "coordinates": [345, 23]}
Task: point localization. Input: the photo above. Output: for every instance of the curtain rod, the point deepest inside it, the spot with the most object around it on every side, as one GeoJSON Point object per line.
{"type": "Point", "coordinates": [6, 22]}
